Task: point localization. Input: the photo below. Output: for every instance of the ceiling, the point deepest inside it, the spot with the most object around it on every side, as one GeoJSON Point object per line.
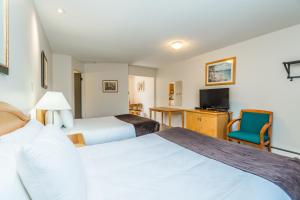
{"type": "Point", "coordinates": [138, 31]}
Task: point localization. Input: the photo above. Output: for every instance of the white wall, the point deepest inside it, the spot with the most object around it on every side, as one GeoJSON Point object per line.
{"type": "Point", "coordinates": [63, 76]}
{"type": "Point", "coordinates": [261, 81]}
{"type": "Point", "coordinates": [77, 65]}
{"type": "Point", "coordinates": [22, 87]}
{"type": "Point", "coordinates": [97, 103]}
{"type": "Point", "coordinates": [145, 97]}
{"type": "Point", "coordinates": [131, 88]}
{"type": "Point", "coordinates": [142, 71]}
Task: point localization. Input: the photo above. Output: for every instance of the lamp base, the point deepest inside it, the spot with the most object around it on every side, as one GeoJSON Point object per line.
{"type": "Point", "coordinates": [49, 117]}
{"type": "Point", "coordinates": [52, 117]}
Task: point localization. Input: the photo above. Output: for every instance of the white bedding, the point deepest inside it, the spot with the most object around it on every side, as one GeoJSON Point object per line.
{"type": "Point", "coordinates": [102, 130]}
{"type": "Point", "coordinates": [152, 168]}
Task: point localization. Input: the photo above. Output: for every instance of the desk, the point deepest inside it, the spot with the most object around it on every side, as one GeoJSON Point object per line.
{"type": "Point", "coordinates": [170, 111]}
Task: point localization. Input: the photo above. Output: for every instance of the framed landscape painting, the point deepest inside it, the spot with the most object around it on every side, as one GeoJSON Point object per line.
{"type": "Point", "coordinates": [220, 72]}
{"type": "Point", "coordinates": [4, 37]}
{"type": "Point", "coordinates": [44, 70]}
{"type": "Point", "coordinates": [110, 86]}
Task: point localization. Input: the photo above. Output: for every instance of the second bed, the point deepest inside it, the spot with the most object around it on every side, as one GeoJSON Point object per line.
{"type": "Point", "coordinates": [113, 128]}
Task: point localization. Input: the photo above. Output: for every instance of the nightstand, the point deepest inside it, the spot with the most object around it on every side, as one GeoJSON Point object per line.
{"type": "Point", "coordinates": [77, 139]}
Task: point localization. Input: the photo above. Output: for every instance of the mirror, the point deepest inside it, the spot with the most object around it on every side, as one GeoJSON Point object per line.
{"type": "Point", "coordinates": [175, 93]}
{"type": "Point", "coordinates": [4, 36]}
{"type": "Point", "coordinates": [171, 94]}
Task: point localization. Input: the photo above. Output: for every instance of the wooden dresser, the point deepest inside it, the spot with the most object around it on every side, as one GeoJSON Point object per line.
{"type": "Point", "coordinates": [211, 123]}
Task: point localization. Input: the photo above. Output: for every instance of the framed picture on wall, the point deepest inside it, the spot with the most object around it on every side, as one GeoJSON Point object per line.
{"type": "Point", "coordinates": [220, 72]}
{"type": "Point", "coordinates": [44, 70]}
{"type": "Point", "coordinates": [4, 37]}
{"type": "Point", "coordinates": [141, 86]}
{"type": "Point", "coordinates": [110, 86]}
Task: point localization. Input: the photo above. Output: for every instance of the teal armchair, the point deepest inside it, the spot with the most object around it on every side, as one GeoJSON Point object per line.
{"type": "Point", "coordinates": [255, 128]}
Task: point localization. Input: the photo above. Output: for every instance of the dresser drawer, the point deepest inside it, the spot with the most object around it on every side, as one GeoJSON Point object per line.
{"type": "Point", "coordinates": [192, 121]}
{"type": "Point", "coordinates": [202, 123]}
{"type": "Point", "coordinates": [208, 125]}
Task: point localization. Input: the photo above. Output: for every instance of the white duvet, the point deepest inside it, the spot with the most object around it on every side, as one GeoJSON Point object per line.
{"type": "Point", "coordinates": [152, 168]}
{"type": "Point", "coordinates": [102, 130]}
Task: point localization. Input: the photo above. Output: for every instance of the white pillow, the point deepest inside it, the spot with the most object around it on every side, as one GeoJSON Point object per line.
{"type": "Point", "coordinates": [11, 187]}
{"type": "Point", "coordinates": [67, 118]}
{"type": "Point", "coordinates": [51, 168]}
{"type": "Point", "coordinates": [55, 119]}
{"type": "Point", "coordinates": [25, 134]}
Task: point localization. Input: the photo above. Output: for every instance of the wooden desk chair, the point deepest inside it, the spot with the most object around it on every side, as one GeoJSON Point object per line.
{"type": "Point", "coordinates": [136, 109]}
{"type": "Point", "coordinates": [255, 128]}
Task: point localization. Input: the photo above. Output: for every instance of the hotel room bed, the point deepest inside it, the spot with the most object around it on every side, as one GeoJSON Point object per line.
{"type": "Point", "coordinates": [113, 128]}
{"type": "Point", "coordinates": [180, 164]}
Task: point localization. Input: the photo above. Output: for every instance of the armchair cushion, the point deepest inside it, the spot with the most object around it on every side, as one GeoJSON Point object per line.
{"type": "Point", "coordinates": [253, 122]}
{"type": "Point", "coordinates": [247, 136]}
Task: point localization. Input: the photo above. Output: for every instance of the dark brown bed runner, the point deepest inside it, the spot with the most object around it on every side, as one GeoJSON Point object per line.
{"type": "Point", "coordinates": [283, 171]}
{"type": "Point", "coordinates": [142, 125]}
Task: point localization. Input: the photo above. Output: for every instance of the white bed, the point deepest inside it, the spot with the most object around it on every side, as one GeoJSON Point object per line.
{"type": "Point", "coordinates": [150, 167]}
{"type": "Point", "coordinates": [102, 130]}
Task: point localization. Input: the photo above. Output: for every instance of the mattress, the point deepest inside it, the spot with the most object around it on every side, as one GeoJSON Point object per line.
{"type": "Point", "coordinates": [151, 167]}
{"type": "Point", "coordinates": [102, 130]}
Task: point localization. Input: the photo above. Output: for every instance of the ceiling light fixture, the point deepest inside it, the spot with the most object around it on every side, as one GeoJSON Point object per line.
{"type": "Point", "coordinates": [61, 11]}
{"type": "Point", "coordinates": [176, 45]}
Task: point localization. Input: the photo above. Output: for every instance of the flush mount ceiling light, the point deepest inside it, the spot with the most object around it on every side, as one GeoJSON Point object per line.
{"type": "Point", "coordinates": [176, 45]}
{"type": "Point", "coordinates": [61, 11]}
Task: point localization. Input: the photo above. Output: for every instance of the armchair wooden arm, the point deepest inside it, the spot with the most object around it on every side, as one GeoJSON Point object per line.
{"type": "Point", "coordinates": [229, 125]}
{"type": "Point", "coordinates": [263, 131]}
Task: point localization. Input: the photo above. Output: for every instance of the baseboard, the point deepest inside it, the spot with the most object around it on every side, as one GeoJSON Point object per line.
{"type": "Point", "coordinates": [285, 152]}
{"type": "Point", "coordinates": [280, 149]}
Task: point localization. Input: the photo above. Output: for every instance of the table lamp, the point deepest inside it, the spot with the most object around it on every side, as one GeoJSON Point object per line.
{"type": "Point", "coordinates": [52, 102]}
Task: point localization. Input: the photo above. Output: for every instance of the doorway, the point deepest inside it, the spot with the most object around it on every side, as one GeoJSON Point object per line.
{"type": "Point", "coordinates": [141, 95]}
{"type": "Point", "coordinates": [175, 93]}
{"type": "Point", "coordinates": [78, 95]}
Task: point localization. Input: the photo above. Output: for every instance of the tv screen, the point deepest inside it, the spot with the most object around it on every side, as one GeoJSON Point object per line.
{"type": "Point", "coordinates": [214, 98]}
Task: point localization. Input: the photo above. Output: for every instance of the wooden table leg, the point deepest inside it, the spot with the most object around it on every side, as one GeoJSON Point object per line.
{"type": "Point", "coordinates": [170, 119]}
{"type": "Point", "coordinates": [162, 118]}
{"type": "Point", "coordinates": [150, 113]}
{"type": "Point", "coordinates": [182, 118]}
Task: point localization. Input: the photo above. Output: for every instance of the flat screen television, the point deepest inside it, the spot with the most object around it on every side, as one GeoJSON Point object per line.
{"type": "Point", "coordinates": [214, 99]}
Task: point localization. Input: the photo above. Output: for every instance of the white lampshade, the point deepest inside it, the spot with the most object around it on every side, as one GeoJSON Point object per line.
{"type": "Point", "coordinates": [53, 101]}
